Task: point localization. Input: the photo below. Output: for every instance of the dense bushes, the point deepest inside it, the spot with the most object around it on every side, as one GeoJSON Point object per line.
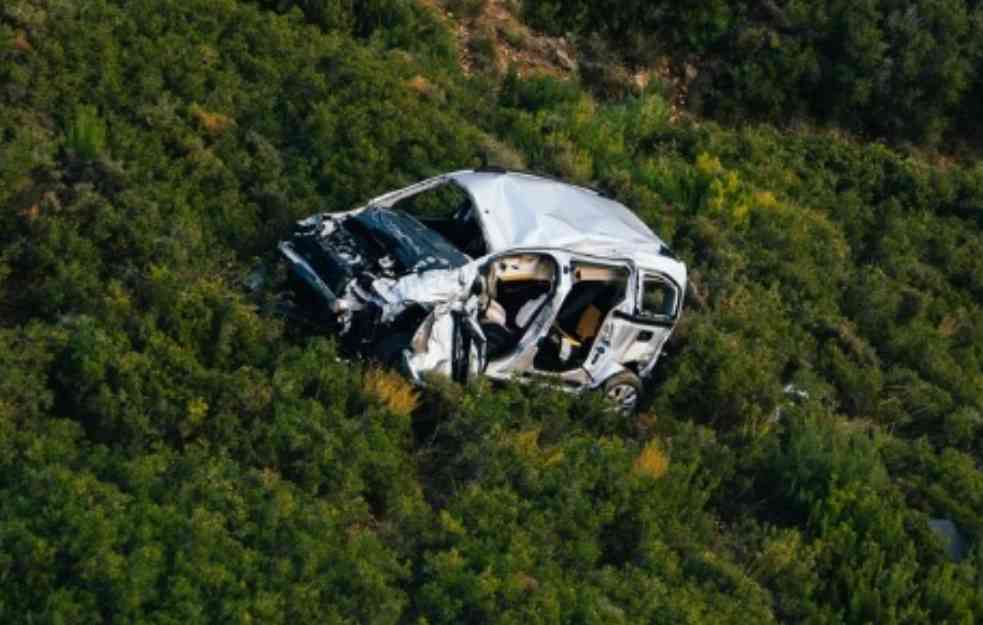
{"type": "Point", "coordinates": [393, 23]}
{"type": "Point", "coordinates": [808, 256]}
{"type": "Point", "coordinates": [899, 70]}
{"type": "Point", "coordinates": [816, 266]}
{"type": "Point", "coordinates": [171, 453]}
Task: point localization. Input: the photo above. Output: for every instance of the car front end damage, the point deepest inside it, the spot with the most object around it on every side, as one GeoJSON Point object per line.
{"type": "Point", "coordinates": [390, 288]}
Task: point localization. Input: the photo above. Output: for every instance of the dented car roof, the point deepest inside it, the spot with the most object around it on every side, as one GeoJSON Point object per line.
{"type": "Point", "coordinates": [520, 210]}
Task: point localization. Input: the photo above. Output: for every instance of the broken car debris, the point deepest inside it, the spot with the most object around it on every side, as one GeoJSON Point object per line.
{"type": "Point", "coordinates": [496, 273]}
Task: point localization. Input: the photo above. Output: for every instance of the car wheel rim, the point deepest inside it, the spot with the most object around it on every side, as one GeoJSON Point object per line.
{"type": "Point", "coordinates": [625, 396]}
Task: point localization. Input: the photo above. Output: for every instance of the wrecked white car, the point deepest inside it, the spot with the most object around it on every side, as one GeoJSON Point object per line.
{"type": "Point", "coordinates": [496, 273]}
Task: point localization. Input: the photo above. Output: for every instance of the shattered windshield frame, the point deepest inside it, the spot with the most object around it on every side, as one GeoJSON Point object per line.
{"type": "Point", "coordinates": [414, 246]}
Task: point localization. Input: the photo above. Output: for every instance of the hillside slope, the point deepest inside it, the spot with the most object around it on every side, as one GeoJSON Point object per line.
{"type": "Point", "coordinates": [171, 454]}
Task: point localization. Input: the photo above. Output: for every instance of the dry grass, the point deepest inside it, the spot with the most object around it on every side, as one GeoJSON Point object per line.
{"type": "Point", "coordinates": [525, 582]}
{"type": "Point", "coordinates": [419, 84]}
{"type": "Point", "coordinates": [214, 123]}
{"type": "Point", "coordinates": [392, 390]}
{"type": "Point", "coordinates": [423, 87]}
{"type": "Point", "coordinates": [500, 153]}
{"type": "Point", "coordinates": [652, 462]}
{"type": "Point", "coordinates": [21, 42]}
{"type": "Point", "coordinates": [527, 443]}
{"type": "Point", "coordinates": [30, 213]}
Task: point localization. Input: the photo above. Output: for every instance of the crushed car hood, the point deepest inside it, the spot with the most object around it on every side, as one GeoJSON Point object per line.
{"type": "Point", "coordinates": [388, 242]}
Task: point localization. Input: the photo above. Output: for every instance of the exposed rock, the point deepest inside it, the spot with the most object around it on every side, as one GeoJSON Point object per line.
{"type": "Point", "coordinates": [690, 71]}
{"type": "Point", "coordinates": [563, 59]}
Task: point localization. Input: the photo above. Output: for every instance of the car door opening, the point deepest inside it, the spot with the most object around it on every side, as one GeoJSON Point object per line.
{"type": "Point", "coordinates": [596, 291]}
{"type": "Point", "coordinates": [518, 286]}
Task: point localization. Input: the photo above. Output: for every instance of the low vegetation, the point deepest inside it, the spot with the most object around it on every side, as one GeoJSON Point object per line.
{"type": "Point", "coordinates": [171, 453]}
{"type": "Point", "coordinates": [902, 71]}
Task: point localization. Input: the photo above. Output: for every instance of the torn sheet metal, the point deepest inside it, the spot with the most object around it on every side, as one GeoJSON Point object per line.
{"type": "Point", "coordinates": [449, 342]}
{"type": "Point", "coordinates": [428, 288]}
{"type": "Point", "coordinates": [432, 347]}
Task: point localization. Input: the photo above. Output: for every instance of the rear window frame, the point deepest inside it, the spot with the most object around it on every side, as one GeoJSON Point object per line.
{"type": "Point", "coordinates": [646, 277]}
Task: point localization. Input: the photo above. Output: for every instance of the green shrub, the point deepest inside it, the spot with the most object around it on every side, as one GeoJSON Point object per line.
{"type": "Point", "coordinates": [86, 136]}
{"type": "Point", "coordinates": [901, 72]}
{"type": "Point", "coordinates": [172, 452]}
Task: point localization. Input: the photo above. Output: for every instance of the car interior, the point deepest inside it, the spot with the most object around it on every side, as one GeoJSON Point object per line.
{"type": "Point", "coordinates": [448, 210]}
{"type": "Point", "coordinates": [518, 286]}
{"type": "Point", "coordinates": [596, 290]}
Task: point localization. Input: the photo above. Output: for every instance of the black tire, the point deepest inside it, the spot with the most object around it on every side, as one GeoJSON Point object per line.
{"type": "Point", "coordinates": [623, 390]}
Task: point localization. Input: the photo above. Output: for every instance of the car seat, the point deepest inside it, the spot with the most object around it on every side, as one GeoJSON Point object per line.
{"type": "Point", "coordinates": [494, 326]}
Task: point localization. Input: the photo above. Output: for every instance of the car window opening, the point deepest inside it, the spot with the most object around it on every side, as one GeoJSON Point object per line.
{"type": "Point", "coordinates": [448, 210]}
{"type": "Point", "coordinates": [658, 299]}
{"type": "Point", "coordinates": [518, 287]}
{"type": "Point", "coordinates": [596, 290]}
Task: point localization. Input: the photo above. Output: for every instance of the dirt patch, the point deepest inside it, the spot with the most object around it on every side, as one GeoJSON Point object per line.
{"type": "Point", "coordinates": [492, 38]}
{"type": "Point", "coordinates": [495, 39]}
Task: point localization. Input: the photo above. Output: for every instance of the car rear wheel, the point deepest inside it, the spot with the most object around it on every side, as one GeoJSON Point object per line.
{"type": "Point", "coordinates": [623, 391]}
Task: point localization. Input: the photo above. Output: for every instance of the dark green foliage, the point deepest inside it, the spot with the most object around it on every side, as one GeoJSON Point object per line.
{"type": "Point", "coordinates": [169, 453]}
{"type": "Point", "coordinates": [900, 70]}
{"type": "Point", "coordinates": [393, 23]}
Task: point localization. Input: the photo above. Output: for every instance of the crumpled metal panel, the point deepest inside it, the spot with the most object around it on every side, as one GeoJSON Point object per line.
{"type": "Point", "coordinates": [432, 349]}
{"type": "Point", "coordinates": [429, 287]}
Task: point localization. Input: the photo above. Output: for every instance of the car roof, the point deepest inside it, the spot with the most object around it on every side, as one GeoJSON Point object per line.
{"type": "Point", "coordinates": [521, 210]}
